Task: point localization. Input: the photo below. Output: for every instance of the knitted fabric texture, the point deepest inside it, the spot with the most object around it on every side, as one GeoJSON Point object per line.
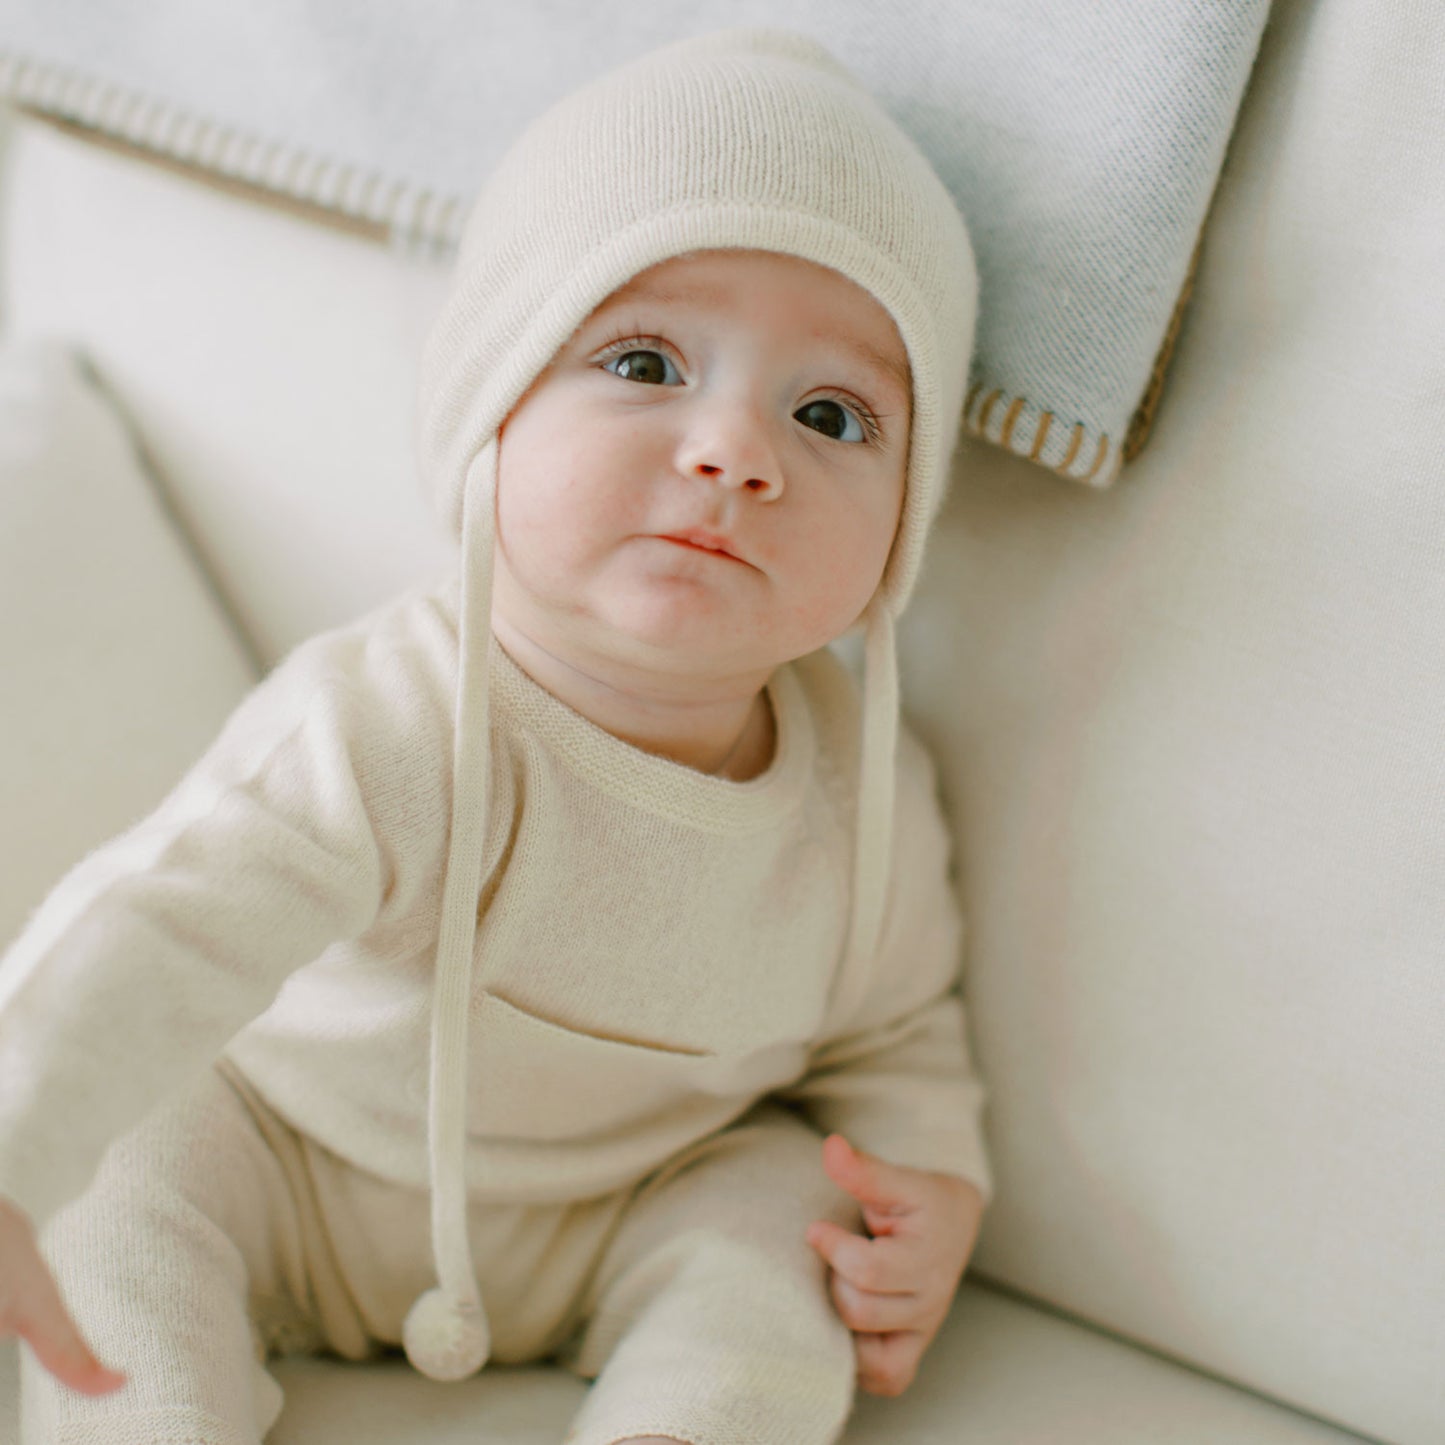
{"type": "Point", "coordinates": [742, 138]}
{"type": "Point", "coordinates": [737, 139]}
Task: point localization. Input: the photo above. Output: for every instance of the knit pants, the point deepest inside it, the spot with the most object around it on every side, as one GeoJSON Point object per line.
{"type": "Point", "coordinates": [214, 1237]}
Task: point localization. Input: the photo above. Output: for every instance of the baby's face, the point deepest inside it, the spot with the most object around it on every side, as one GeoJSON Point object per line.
{"type": "Point", "coordinates": [709, 475]}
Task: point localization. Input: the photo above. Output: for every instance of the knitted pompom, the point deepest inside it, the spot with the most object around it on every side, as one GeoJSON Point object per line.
{"type": "Point", "coordinates": [445, 1340]}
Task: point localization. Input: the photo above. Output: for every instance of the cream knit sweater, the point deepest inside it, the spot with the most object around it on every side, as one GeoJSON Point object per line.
{"type": "Point", "coordinates": [655, 948]}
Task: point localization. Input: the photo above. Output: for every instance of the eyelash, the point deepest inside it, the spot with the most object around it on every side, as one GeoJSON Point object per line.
{"type": "Point", "coordinates": [621, 345]}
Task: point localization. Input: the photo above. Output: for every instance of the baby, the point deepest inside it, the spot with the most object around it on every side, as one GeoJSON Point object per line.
{"type": "Point", "coordinates": [559, 961]}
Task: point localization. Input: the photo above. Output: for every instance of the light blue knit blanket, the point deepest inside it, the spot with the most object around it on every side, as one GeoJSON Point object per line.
{"type": "Point", "coordinates": [1081, 138]}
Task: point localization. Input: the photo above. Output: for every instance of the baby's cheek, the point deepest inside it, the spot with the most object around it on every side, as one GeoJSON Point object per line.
{"type": "Point", "coordinates": [850, 570]}
{"type": "Point", "coordinates": [822, 618]}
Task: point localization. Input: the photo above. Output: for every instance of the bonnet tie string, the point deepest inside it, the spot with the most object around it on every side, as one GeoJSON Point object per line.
{"type": "Point", "coordinates": [446, 1334]}
{"type": "Point", "coordinates": [873, 839]}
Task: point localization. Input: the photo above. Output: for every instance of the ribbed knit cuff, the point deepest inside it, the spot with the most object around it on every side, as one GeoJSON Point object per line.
{"type": "Point", "coordinates": [708, 1372]}
{"type": "Point", "coordinates": [152, 1427]}
{"type": "Point", "coordinates": [796, 1410]}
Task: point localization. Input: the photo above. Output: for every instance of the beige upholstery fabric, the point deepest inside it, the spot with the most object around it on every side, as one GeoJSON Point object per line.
{"type": "Point", "coordinates": [1191, 735]}
{"type": "Point", "coordinates": [116, 662]}
{"type": "Point", "coordinates": [269, 364]}
{"type": "Point", "coordinates": [1001, 1373]}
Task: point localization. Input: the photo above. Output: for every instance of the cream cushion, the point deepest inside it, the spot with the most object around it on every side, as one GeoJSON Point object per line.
{"type": "Point", "coordinates": [117, 662]}
{"type": "Point", "coordinates": [981, 1383]}
{"type": "Point", "coordinates": [269, 364]}
{"type": "Point", "coordinates": [1192, 732]}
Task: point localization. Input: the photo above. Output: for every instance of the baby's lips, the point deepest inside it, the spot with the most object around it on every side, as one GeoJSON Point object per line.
{"type": "Point", "coordinates": [705, 541]}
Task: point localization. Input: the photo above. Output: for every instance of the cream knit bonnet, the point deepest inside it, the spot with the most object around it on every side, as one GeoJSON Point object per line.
{"type": "Point", "coordinates": [753, 138]}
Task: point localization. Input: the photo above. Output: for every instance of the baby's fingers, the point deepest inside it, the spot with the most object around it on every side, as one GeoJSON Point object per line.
{"type": "Point", "coordinates": [868, 1313]}
{"type": "Point", "coordinates": [887, 1363]}
{"type": "Point", "coordinates": [67, 1358]}
{"type": "Point", "coordinates": [31, 1307]}
{"type": "Point", "coordinates": [880, 1266]}
{"type": "Point", "coordinates": [49, 1331]}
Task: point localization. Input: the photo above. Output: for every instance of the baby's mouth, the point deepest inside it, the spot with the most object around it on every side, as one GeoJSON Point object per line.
{"type": "Point", "coordinates": [700, 541]}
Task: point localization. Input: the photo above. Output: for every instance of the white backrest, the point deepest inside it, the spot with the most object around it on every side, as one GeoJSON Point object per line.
{"type": "Point", "coordinates": [268, 362]}
{"type": "Point", "coordinates": [1192, 733]}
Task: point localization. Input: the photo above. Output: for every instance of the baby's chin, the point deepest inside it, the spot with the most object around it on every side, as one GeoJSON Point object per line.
{"type": "Point", "coordinates": [677, 638]}
{"type": "Point", "coordinates": [686, 647]}
{"type": "Point", "coordinates": [717, 620]}
{"type": "Point", "coordinates": [668, 629]}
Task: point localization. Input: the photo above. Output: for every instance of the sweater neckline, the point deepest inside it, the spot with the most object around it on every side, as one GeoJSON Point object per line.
{"type": "Point", "coordinates": [657, 784]}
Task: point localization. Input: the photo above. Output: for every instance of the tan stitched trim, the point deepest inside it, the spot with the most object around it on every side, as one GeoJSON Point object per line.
{"type": "Point", "coordinates": [1107, 459]}
{"type": "Point", "coordinates": [276, 200]}
{"type": "Point", "coordinates": [316, 188]}
{"type": "Point", "coordinates": [993, 396]}
{"type": "Point", "coordinates": [1006, 436]}
{"type": "Point", "coordinates": [1045, 422]}
{"type": "Point", "coordinates": [1141, 423]}
{"type": "Point", "coordinates": [1098, 460]}
{"type": "Point", "coordinates": [1073, 450]}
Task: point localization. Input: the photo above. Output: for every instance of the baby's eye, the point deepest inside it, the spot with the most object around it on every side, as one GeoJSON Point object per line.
{"type": "Point", "coordinates": [834, 419]}
{"type": "Point", "coordinates": [642, 364]}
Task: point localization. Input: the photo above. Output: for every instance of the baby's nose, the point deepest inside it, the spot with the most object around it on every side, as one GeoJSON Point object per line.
{"type": "Point", "coordinates": [729, 445]}
{"type": "Point", "coordinates": [764, 485]}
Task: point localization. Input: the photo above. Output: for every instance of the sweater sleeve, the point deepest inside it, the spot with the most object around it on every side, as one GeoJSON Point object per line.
{"type": "Point", "coordinates": [157, 947]}
{"type": "Point", "coordinates": [896, 1078]}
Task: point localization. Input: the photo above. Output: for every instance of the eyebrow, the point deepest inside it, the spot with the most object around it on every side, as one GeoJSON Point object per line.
{"type": "Point", "coordinates": [860, 350]}
{"type": "Point", "coordinates": [900, 371]}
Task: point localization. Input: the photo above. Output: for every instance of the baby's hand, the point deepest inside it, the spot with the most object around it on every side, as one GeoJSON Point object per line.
{"type": "Point", "coordinates": [894, 1289]}
{"type": "Point", "coordinates": [31, 1307]}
